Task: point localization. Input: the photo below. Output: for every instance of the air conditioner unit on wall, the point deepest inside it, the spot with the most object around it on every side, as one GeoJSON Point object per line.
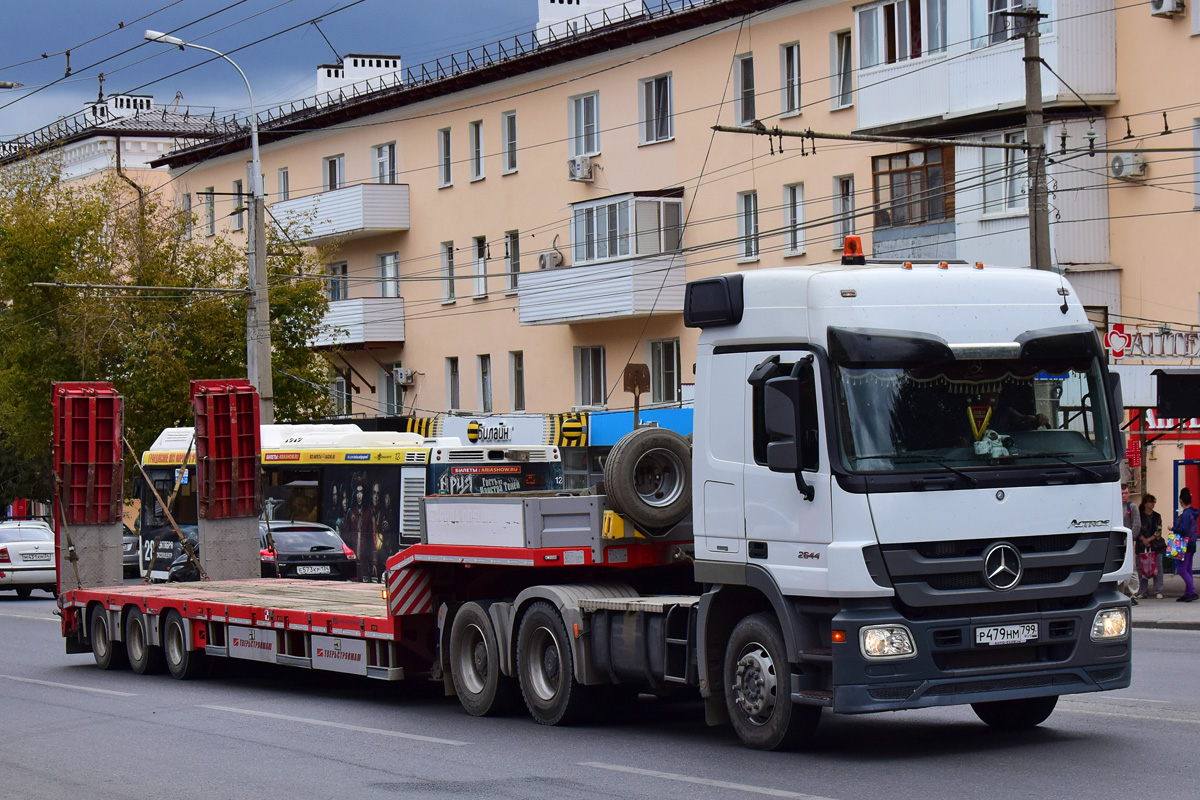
{"type": "Point", "coordinates": [1166, 8]}
{"type": "Point", "coordinates": [1130, 166]}
{"type": "Point", "coordinates": [551, 260]}
{"type": "Point", "coordinates": [579, 168]}
{"type": "Point", "coordinates": [404, 376]}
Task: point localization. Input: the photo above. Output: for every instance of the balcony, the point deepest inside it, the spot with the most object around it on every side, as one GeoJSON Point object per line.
{"type": "Point", "coordinates": [598, 292]}
{"type": "Point", "coordinates": [363, 320]}
{"type": "Point", "coordinates": [366, 209]}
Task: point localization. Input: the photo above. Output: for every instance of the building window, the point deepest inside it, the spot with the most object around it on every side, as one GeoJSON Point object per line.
{"type": "Point", "coordinates": [392, 393]}
{"type": "Point", "coordinates": [843, 70]}
{"type": "Point", "coordinates": [480, 248]}
{"type": "Point", "coordinates": [186, 220]}
{"type": "Point", "coordinates": [744, 89]}
{"type": "Point", "coordinates": [210, 212]}
{"type": "Point", "coordinates": [508, 122]}
{"type": "Point", "coordinates": [335, 172]}
{"type": "Point", "coordinates": [340, 397]}
{"type": "Point", "coordinates": [485, 383]}
{"type": "Point", "coordinates": [452, 384]}
{"type": "Point", "coordinates": [843, 210]}
{"type": "Point", "coordinates": [475, 132]}
{"type": "Point", "coordinates": [789, 66]}
{"type": "Point", "coordinates": [384, 157]}
{"type": "Point", "coordinates": [239, 207]}
{"type": "Point", "coordinates": [889, 33]}
{"type": "Point", "coordinates": [793, 219]}
{"type": "Point", "coordinates": [747, 226]}
{"type": "Point", "coordinates": [935, 26]}
{"type": "Point", "coordinates": [658, 124]}
{"type": "Point", "coordinates": [512, 258]}
{"type": "Point", "coordinates": [339, 284]}
{"type": "Point", "coordinates": [516, 363]}
{"type": "Point", "coordinates": [389, 275]}
{"type": "Point", "coordinates": [1004, 176]}
{"type": "Point", "coordinates": [601, 230]}
{"type": "Point", "coordinates": [664, 371]}
{"type": "Point", "coordinates": [911, 188]}
{"type": "Point", "coordinates": [285, 191]}
{"type": "Point", "coordinates": [992, 23]}
{"type": "Point", "coordinates": [585, 124]}
{"type": "Point", "coordinates": [589, 376]}
{"type": "Point", "coordinates": [445, 175]}
{"type": "Point", "coordinates": [448, 293]}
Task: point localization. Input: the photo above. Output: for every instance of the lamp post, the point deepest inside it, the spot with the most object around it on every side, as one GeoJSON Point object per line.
{"type": "Point", "coordinates": [10, 85]}
{"type": "Point", "coordinates": [258, 312]}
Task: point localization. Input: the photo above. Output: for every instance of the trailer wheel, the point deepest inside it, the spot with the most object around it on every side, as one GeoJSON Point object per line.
{"type": "Point", "coordinates": [648, 476]}
{"type": "Point", "coordinates": [482, 688]}
{"type": "Point", "coordinates": [145, 658]}
{"type": "Point", "coordinates": [182, 663]}
{"type": "Point", "coordinates": [1015, 715]}
{"type": "Point", "coordinates": [108, 654]}
{"type": "Point", "coordinates": [546, 667]}
{"type": "Point", "coordinates": [758, 681]}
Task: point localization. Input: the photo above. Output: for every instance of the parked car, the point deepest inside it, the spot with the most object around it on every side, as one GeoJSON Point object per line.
{"type": "Point", "coordinates": [302, 550]}
{"type": "Point", "coordinates": [129, 552]}
{"type": "Point", "coordinates": [27, 557]}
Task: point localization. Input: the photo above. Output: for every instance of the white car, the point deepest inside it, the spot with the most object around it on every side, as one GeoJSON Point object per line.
{"type": "Point", "coordinates": [26, 557]}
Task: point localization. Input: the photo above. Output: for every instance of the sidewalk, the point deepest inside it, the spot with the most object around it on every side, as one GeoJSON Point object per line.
{"type": "Point", "coordinates": [1167, 613]}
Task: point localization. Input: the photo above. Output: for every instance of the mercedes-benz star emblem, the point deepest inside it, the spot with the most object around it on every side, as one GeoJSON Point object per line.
{"type": "Point", "coordinates": [1002, 566]}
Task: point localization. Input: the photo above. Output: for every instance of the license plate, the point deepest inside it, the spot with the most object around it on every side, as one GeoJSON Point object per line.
{"type": "Point", "coordinates": [1006, 634]}
{"type": "Point", "coordinates": [36, 557]}
{"type": "Point", "coordinates": [322, 569]}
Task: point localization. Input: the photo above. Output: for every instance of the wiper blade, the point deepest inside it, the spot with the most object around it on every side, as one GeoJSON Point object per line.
{"type": "Point", "coordinates": [1076, 465]}
{"type": "Point", "coordinates": [910, 456]}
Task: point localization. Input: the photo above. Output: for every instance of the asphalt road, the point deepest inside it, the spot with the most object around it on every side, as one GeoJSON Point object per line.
{"type": "Point", "coordinates": [68, 730]}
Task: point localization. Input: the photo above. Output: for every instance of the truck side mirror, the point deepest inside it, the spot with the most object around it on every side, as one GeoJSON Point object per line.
{"type": "Point", "coordinates": [781, 407]}
{"type": "Point", "coordinates": [1118, 404]}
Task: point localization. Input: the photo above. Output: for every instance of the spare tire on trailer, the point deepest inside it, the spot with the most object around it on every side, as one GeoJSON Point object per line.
{"type": "Point", "coordinates": [648, 477]}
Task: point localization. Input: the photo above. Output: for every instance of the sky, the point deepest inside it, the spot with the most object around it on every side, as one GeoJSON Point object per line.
{"type": "Point", "coordinates": [280, 69]}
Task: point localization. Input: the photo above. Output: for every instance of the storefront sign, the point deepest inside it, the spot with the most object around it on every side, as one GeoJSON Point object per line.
{"type": "Point", "coordinates": [1152, 344]}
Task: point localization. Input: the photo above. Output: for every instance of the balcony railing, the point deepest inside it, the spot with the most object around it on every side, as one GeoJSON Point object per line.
{"type": "Point", "coordinates": [591, 293]}
{"type": "Point", "coordinates": [360, 321]}
{"type": "Point", "coordinates": [366, 209]}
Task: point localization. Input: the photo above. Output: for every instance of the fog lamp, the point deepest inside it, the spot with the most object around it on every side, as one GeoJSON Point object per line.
{"type": "Point", "coordinates": [887, 641]}
{"type": "Point", "coordinates": [1110, 623]}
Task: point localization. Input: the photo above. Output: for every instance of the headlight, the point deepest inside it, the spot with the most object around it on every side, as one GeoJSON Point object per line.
{"type": "Point", "coordinates": [887, 641]}
{"type": "Point", "coordinates": [1110, 623]}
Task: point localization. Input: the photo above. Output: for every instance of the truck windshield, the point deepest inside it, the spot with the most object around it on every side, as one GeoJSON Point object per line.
{"type": "Point", "coordinates": [962, 414]}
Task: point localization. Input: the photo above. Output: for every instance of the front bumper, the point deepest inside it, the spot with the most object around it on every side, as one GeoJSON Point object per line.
{"type": "Point", "coordinates": [950, 669]}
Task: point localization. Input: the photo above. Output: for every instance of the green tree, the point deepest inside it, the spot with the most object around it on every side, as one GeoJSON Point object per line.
{"type": "Point", "coordinates": [149, 344]}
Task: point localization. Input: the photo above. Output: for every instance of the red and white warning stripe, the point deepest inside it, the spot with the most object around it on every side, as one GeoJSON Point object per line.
{"type": "Point", "coordinates": [409, 591]}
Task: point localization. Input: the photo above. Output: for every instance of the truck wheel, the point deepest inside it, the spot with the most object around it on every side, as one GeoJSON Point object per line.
{"type": "Point", "coordinates": [758, 681]}
{"type": "Point", "coordinates": [144, 657]}
{"type": "Point", "coordinates": [182, 663]}
{"type": "Point", "coordinates": [648, 476]}
{"type": "Point", "coordinates": [475, 665]}
{"type": "Point", "coordinates": [546, 667]}
{"type": "Point", "coordinates": [1016, 715]}
{"type": "Point", "coordinates": [108, 654]}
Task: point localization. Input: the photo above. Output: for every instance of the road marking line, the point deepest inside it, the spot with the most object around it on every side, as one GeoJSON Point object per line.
{"type": "Point", "coordinates": [338, 725]}
{"type": "Point", "coordinates": [671, 776]}
{"type": "Point", "coordinates": [30, 616]}
{"type": "Point", "coordinates": [1144, 717]}
{"type": "Point", "coordinates": [69, 686]}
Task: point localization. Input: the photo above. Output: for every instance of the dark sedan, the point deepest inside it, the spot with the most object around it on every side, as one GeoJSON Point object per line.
{"type": "Point", "coordinates": [306, 550]}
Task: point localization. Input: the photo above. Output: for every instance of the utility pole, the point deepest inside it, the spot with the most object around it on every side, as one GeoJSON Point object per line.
{"type": "Point", "coordinates": [1035, 135]}
{"type": "Point", "coordinates": [258, 314]}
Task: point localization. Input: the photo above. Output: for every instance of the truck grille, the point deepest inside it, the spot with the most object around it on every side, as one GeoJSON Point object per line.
{"type": "Point", "coordinates": [928, 574]}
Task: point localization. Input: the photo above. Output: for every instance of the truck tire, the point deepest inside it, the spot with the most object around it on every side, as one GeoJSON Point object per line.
{"type": "Point", "coordinates": [758, 681]}
{"type": "Point", "coordinates": [145, 658]}
{"type": "Point", "coordinates": [475, 665]}
{"type": "Point", "coordinates": [1016, 715]}
{"type": "Point", "coordinates": [546, 666]}
{"type": "Point", "coordinates": [648, 477]}
{"type": "Point", "coordinates": [24, 592]}
{"type": "Point", "coordinates": [182, 663]}
{"type": "Point", "coordinates": [108, 654]}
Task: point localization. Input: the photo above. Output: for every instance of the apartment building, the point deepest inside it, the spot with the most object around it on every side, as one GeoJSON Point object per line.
{"type": "Point", "coordinates": [516, 223]}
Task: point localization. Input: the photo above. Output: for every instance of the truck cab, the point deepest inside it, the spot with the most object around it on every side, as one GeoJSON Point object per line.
{"type": "Point", "coordinates": [920, 483]}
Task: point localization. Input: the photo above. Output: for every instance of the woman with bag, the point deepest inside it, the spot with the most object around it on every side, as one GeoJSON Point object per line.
{"type": "Point", "coordinates": [1184, 530]}
{"type": "Point", "coordinates": [1150, 549]}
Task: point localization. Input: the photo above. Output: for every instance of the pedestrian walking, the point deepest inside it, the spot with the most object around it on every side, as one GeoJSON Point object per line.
{"type": "Point", "coordinates": [1132, 520]}
{"type": "Point", "coordinates": [1150, 541]}
{"type": "Point", "coordinates": [1185, 529]}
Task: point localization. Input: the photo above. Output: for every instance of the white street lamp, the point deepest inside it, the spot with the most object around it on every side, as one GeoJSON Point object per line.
{"type": "Point", "coordinates": [258, 313]}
